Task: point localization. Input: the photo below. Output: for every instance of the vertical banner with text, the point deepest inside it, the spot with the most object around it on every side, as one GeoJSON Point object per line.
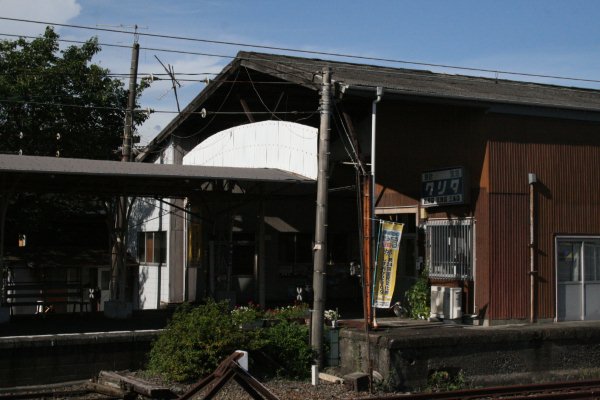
{"type": "Point", "coordinates": [386, 263]}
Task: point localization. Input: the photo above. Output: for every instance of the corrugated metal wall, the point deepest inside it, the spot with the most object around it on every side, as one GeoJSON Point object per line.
{"type": "Point", "coordinates": [565, 155]}
{"type": "Point", "coordinates": [482, 240]}
{"type": "Point", "coordinates": [498, 151]}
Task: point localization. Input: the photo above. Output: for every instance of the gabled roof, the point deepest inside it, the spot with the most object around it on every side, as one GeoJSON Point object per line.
{"type": "Point", "coordinates": [421, 83]}
{"type": "Point", "coordinates": [362, 79]}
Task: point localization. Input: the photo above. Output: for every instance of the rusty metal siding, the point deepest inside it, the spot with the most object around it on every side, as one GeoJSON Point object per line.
{"type": "Point", "coordinates": [509, 262]}
{"type": "Point", "coordinates": [482, 241]}
{"type": "Point", "coordinates": [413, 138]}
{"type": "Point", "coordinates": [566, 159]}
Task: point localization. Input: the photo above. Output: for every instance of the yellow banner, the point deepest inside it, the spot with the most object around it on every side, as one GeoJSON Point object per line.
{"type": "Point", "coordinates": [386, 264]}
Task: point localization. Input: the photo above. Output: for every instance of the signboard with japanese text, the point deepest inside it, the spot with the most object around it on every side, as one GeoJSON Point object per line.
{"type": "Point", "coordinates": [386, 264]}
{"type": "Point", "coordinates": [444, 187]}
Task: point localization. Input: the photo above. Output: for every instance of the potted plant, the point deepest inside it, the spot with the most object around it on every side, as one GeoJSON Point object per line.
{"type": "Point", "coordinates": [297, 312]}
{"type": "Point", "coordinates": [332, 316]}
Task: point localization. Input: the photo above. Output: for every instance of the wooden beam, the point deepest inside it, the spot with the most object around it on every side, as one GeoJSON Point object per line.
{"type": "Point", "coordinates": [247, 110]}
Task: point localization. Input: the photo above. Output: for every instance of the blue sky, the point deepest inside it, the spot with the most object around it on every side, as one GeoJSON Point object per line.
{"type": "Point", "coordinates": [534, 36]}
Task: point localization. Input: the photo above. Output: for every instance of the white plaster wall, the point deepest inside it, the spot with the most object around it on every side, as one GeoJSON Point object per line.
{"type": "Point", "coordinates": [145, 217]}
{"type": "Point", "coordinates": [283, 145]}
{"type": "Point", "coordinates": [147, 287]}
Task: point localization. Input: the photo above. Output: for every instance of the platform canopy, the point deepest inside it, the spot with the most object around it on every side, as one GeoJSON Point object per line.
{"type": "Point", "coordinates": [70, 175]}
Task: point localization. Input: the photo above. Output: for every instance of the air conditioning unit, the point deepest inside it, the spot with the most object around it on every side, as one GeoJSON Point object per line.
{"type": "Point", "coordinates": [446, 302]}
{"type": "Point", "coordinates": [437, 301]}
{"type": "Point", "coordinates": [453, 303]}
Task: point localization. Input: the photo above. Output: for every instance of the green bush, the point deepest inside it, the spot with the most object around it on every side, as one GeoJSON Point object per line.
{"type": "Point", "coordinates": [444, 381]}
{"type": "Point", "coordinates": [287, 344]}
{"type": "Point", "coordinates": [196, 340]}
{"type": "Point", "coordinates": [418, 297]}
{"type": "Point", "coordinates": [246, 314]}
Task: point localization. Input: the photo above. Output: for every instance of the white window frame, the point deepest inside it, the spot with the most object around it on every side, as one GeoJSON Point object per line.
{"type": "Point", "coordinates": [572, 238]}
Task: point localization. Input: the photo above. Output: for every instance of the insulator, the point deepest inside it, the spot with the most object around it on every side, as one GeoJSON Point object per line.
{"type": "Point", "coordinates": [58, 136]}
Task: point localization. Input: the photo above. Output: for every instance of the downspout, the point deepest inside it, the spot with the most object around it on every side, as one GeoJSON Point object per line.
{"type": "Point", "coordinates": [372, 197]}
{"type": "Point", "coordinates": [532, 178]}
{"type": "Point", "coordinates": [160, 263]}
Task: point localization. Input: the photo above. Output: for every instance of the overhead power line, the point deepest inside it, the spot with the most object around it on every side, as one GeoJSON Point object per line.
{"type": "Point", "coordinates": [152, 111]}
{"type": "Point", "coordinates": [293, 50]}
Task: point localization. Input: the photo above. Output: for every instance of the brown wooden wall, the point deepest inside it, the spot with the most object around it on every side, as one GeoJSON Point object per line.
{"type": "Point", "coordinates": [565, 155]}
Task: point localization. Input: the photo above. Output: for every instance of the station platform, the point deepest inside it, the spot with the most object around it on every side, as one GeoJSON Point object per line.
{"type": "Point", "coordinates": [403, 352]}
{"type": "Point", "coordinates": [406, 352]}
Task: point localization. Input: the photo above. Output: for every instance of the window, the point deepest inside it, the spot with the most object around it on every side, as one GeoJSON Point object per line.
{"type": "Point", "coordinates": [575, 255]}
{"type": "Point", "coordinates": [295, 248]}
{"type": "Point", "coordinates": [152, 247]}
{"type": "Point", "coordinates": [450, 248]}
{"type": "Point", "coordinates": [104, 280]}
{"type": "Point", "coordinates": [578, 278]}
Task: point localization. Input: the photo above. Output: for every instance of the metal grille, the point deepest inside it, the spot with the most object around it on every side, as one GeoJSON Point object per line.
{"type": "Point", "coordinates": [450, 248]}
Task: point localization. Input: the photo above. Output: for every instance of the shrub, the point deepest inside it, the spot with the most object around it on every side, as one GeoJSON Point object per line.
{"type": "Point", "coordinates": [444, 381]}
{"type": "Point", "coordinates": [418, 297]}
{"type": "Point", "coordinates": [287, 344]}
{"type": "Point", "coordinates": [246, 314]}
{"type": "Point", "coordinates": [196, 340]}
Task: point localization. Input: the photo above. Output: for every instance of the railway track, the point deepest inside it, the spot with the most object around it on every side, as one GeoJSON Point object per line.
{"type": "Point", "coordinates": [69, 390]}
{"type": "Point", "coordinates": [552, 391]}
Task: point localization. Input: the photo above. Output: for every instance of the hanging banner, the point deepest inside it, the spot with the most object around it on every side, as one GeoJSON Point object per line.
{"type": "Point", "coordinates": [386, 263]}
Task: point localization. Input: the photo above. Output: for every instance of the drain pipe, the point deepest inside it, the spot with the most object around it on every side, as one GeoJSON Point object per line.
{"type": "Point", "coordinates": [372, 197]}
{"type": "Point", "coordinates": [532, 179]}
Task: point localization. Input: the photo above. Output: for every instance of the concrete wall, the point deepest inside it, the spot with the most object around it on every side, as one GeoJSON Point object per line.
{"type": "Point", "coordinates": [486, 356]}
{"type": "Point", "coordinates": [45, 359]}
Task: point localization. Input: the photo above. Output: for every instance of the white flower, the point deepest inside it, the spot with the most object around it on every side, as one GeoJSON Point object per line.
{"type": "Point", "coordinates": [331, 315]}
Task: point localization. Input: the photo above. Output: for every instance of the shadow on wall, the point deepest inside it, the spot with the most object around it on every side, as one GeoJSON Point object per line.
{"type": "Point", "coordinates": [142, 279]}
{"type": "Point", "coordinates": [140, 214]}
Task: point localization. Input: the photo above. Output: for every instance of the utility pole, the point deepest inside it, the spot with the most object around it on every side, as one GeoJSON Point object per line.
{"type": "Point", "coordinates": [118, 276]}
{"type": "Point", "coordinates": [320, 248]}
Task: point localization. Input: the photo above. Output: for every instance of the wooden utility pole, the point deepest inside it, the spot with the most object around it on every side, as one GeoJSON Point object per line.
{"type": "Point", "coordinates": [320, 249]}
{"type": "Point", "coordinates": [118, 276]}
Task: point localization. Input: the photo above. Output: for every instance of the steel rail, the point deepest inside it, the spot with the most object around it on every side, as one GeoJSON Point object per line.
{"type": "Point", "coordinates": [553, 390]}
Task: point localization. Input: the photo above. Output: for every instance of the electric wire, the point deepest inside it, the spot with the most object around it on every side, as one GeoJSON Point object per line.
{"type": "Point", "coordinates": [296, 62]}
{"type": "Point", "coordinates": [152, 111]}
{"type": "Point", "coordinates": [209, 122]}
{"type": "Point", "coordinates": [258, 94]}
{"type": "Point", "coordinates": [355, 158]}
{"type": "Point", "coordinates": [314, 52]}
{"type": "Point", "coordinates": [361, 68]}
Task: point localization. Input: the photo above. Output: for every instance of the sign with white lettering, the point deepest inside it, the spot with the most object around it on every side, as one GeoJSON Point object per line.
{"type": "Point", "coordinates": [444, 187]}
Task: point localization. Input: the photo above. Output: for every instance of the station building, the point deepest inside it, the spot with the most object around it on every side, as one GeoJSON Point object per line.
{"type": "Point", "coordinates": [495, 180]}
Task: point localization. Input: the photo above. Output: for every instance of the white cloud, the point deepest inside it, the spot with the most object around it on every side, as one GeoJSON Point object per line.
{"type": "Point", "coordinates": [56, 11]}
